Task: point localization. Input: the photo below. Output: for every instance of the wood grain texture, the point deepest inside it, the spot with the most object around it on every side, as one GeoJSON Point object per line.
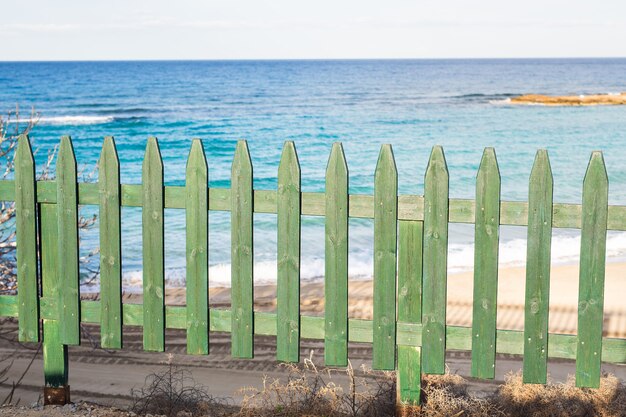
{"type": "Point", "coordinates": [197, 250]}
{"type": "Point", "coordinates": [242, 256]}
{"type": "Point", "coordinates": [436, 185]}
{"type": "Point", "coordinates": [55, 357]}
{"type": "Point", "coordinates": [486, 240]}
{"type": "Point", "coordinates": [110, 246]}
{"type": "Point", "coordinates": [288, 259]}
{"type": "Point", "coordinates": [410, 263]}
{"type": "Point", "coordinates": [153, 240]}
{"type": "Point", "coordinates": [592, 269]}
{"type": "Point", "coordinates": [26, 241]}
{"type": "Point", "coordinates": [539, 244]}
{"type": "Point", "coordinates": [385, 260]}
{"type": "Point", "coordinates": [336, 259]}
{"type": "Point", "coordinates": [67, 236]}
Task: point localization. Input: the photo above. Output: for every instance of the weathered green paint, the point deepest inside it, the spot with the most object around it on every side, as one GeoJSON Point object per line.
{"type": "Point", "coordinates": [197, 249]}
{"type": "Point", "coordinates": [288, 257]}
{"type": "Point", "coordinates": [153, 249]}
{"type": "Point", "coordinates": [410, 307]}
{"type": "Point", "coordinates": [436, 184]}
{"type": "Point", "coordinates": [410, 207]}
{"type": "Point", "coordinates": [55, 358]}
{"type": "Point", "coordinates": [385, 260]}
{"type": "Point", "coordinates": [336, 261]}
{"type": "Point", "coordinates": [592, 269]}
{"type": "Point", "coordinates": [68, 273]}
{"type": "Point", "coordinates": [486, 238]}
{"type": "Point", "coordinates": [26, 239]}
{"type": "Point", "coordinates": [409, 375]}
{"type": "Point", "coordinates": [110, 247]}
{"type": "Point", "coordinates": [242, 257]}
{"type": "Point", "coordinates": [538, 270]}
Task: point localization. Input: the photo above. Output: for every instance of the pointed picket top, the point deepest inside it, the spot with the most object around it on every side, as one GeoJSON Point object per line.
{"type": "Point", "coordinates": [242, 163]}
{"type": "Point", "coordinates": [596, 170]}
{"type": "Point", "coordinates": [152, 156]}
{"type": "Point", "coordinates": [24, 153]}
{"type": "Point", "coordinates": [289, 167]}
{"type": "Point", "coordinates": [542, 170]}
{"type": "Point", "coordinates": [337, 165]}
{"type": "Point", "coordinates": [386, 163]}
{"type": "Point", "coordinates": [196, 161]}
{"type": "Point", "coordinates": [108, 155]}
{"type": "Point", "coordinates": [488, 165]}
{"type": "Point", "coordinates": [437, 162]}
{"type": "Point", "coordinates": [66, 155]}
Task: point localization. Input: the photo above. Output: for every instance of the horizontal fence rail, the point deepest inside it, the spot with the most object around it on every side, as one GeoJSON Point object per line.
{"type": "Point", "coordinates": [408, 331]}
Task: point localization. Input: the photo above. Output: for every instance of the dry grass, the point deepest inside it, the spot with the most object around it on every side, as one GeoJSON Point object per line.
{"type": "Point", "coordinates": [309, 391]}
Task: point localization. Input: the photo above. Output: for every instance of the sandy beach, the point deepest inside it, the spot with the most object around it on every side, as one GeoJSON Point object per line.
{"type": "Point", "coordinates": [511, 289]}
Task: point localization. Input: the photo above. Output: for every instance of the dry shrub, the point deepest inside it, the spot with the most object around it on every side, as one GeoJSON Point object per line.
{"type": "Point", "coordinates": [562, 399]}
{"type": "Point", "coordinates": [173, 392]}
{"type": "Point", "coordinates": [309, 391]}
{"type": "Point", "coordinates": [447, 395]}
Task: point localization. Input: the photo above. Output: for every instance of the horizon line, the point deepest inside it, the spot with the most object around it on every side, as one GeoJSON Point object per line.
{"type": "Point", "coordinates": [310, 59]}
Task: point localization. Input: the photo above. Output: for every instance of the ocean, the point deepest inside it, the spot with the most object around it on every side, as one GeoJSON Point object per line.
{"type": "Point", "coordinates": [412, 104]}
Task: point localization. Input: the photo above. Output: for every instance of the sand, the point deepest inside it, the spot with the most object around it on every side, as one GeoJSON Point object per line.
{"type": "Point", "coordinates": [511, 290]}
{"type": "Point", "coordinates": [580, 100]}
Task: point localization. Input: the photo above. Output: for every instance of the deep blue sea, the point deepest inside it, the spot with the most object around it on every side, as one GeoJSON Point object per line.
{"type": "Point", "coordinates": [412, 104]}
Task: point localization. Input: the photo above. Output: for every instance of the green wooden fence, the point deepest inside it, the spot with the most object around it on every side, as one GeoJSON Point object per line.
{"type": "Point", "coordinates": [408, 331]}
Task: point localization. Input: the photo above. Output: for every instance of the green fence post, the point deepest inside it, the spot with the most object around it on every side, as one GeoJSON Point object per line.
{"type": "Point", "coordinates": [110, 247]}
{"type": "Point", "coordinates": [385, 260]}
{"type": "Point", "coordinates": [486, 238]}
{"type": "Point", "coordinates": [288, 258]}
{"type": "Point", "coordinates": [26, 240]}
{"type": "Point", "coordinates": [67, 216]}
{"type": "Point", "coordinates": [336, 260]}
{"type": "Point", "coordinates": [538, 271]}
{"type": "Point", "coordinates": [242, 258]}
{"type": "Point", "coordinates": [410, 264]}
{"type": "Point", "coordinates": [592, 270]}
{"type": "Point", "coordinates": [197, 250]}
{"type": "Point", "coordinates": [436, 207]}
{"type": "Point", "coordinates": [55, 358]}
{"type": "Point", "coordinates": [153, 249]}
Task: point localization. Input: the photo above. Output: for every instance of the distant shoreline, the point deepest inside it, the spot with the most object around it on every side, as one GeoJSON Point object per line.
{"type": "Point", "coordinates": [580, 100]}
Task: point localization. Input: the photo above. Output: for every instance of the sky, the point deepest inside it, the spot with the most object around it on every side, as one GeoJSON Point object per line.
{"type": "Point", "coordinates": [295, 29]}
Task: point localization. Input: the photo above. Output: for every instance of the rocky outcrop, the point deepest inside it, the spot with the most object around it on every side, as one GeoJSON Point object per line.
{"type": "Point", "coordinates": [581, 100]}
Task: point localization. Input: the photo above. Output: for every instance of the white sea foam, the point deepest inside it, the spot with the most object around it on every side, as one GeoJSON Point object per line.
{"type": "Point", "coordinates": [67, 120]}
{"type": "Point", "coordinates": [75, 120]}
{"type": "Point", "coordinates": [565, 250]}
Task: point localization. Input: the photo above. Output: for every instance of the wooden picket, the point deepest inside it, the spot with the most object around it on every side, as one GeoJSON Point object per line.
{"type": "Point", "coordinates": [288, 280]}
{"type": "Point", "coordinates": [336, 265]}
{"type": "Point", "coordinates": [538, 271]}
{"type": "Point", "coordinates": [153, 239]}
{"type": "Point", "coordinates": [197, 250]}
{"type": "Point", "coordinates": [242, 259]}
{"type": "Point", "coordinates": [26, 240]}
{"type": "Point", "coordinates": [110, 247]}
{"type": "Point", "coordinates": [408, 331]}
{"type": "Point", "coordinates": [486, 238]}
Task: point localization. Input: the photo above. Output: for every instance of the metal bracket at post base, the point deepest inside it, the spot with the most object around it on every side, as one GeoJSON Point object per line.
{"type": "Point", "coordinates": [56, 395]}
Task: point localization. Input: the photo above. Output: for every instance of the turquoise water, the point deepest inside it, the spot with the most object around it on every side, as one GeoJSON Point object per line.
{"type": "Point", "coordinates": [413, 104]}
